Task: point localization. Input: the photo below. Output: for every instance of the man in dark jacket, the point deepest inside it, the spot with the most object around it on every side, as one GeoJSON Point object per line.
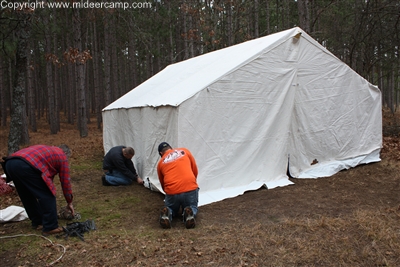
{"type": "Point", "coordinates": [118, 167]}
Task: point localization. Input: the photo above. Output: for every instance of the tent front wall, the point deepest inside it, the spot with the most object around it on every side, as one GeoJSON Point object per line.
{"type": "Point", "coordinates": [337, 118]}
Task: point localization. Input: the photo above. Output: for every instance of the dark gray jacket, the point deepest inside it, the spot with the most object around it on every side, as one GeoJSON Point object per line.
{"type": "Point", "coordinates": [114, 159]}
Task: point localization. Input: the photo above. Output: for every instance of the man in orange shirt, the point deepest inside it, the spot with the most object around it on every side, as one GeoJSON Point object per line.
{"type": "Point", "coordinates": [177, 172]}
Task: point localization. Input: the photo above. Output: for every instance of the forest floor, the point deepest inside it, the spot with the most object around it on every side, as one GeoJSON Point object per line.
{"type": "Point", "coordinates": [349, 219]}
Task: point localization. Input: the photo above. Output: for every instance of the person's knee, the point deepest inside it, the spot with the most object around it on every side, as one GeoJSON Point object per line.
{"type": "Point", "coordinates": [115, 180]}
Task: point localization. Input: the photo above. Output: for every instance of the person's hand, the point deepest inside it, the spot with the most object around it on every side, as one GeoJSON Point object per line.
{"type": "Point", "coordinates": [140, 180]}
{"type": "Point", "coordinates": [71, 208]}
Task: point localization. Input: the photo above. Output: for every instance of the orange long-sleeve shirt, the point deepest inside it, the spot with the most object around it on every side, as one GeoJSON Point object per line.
{"type": "Point", "coordinates": [177, 171]}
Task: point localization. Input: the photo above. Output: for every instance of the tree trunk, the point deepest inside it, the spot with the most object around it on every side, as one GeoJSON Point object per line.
{"type": "Point", "coordinates": [31, 95]}
{"type": "Point", "coordinates": [80, 76]}
{"type": "Point", "coordinates": [11, 74]}
{"type": "Point", "coordinates": [87, 71]}
{"type": "Point", "coordinates": [229, 23]}
{"type": "Point", "coordinates": [304, 14]}
{"type": "Point", "coordinates": [68, 75]}
{"type": "Point", "coordinates": [3, 95]}
{"type": "Point", "coordinates": [256, 19]}
{"type": "Point", "coordinates": [132, 59]}
{"type": "Point", "coordinates": [115, 88]}
{"type": "Point", "coordinates": [149, 65]}
{"type": "Point", "coordinates": [98, 97]}
{"type": "Point", "coordinates": [57, 90]}
{"type": "Point", "coordinates": [49, 77]}
{"type": "Point", "coordinates": [18, 134]}
{"type": "Point", "coordinates": [71, 92]}
{"type": "Point", "coordinates": [171, 39]}
{"type": "Point", "coordinates": [267, 17]}
{"type": "Point", "coordinates": [107, 60]}
{"type": "Point", "coordinates": [391, 92]}
{"type": "Point", "coordinates": [191, 36]}
{"type": "Point", "coordinates": [185, 31]}
{"type": "Point", "coordinates": [159, 55]}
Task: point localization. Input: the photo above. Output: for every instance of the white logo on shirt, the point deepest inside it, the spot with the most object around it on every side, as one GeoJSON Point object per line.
{"type": "Point", "coordinates": [176, 154]}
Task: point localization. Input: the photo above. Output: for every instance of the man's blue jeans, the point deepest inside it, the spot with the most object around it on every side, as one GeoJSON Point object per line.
{"type": "Point", "coordinates": [117, 178]}
{"type": "Point", "coordinates": [187, 199]}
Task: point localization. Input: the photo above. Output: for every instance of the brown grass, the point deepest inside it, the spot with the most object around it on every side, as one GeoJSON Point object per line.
{"type": "Point", "coordinates": [349, 219]}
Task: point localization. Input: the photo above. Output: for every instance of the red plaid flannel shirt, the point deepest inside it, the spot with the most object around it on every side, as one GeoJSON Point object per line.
{"type": "Point", "coordinates": [50, 160]}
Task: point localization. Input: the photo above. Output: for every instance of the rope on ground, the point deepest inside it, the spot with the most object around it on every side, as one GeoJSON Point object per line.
{"type": "Point", "coordinates": [52, 243]}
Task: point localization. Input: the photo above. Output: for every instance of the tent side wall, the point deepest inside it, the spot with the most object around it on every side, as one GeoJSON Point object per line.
{"type": "Point", "coordinates": [143, 128]}
{"type": "Point", "coordinates": [337, 120]}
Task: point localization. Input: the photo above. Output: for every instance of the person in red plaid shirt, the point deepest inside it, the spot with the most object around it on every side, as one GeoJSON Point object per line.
{"type": "Point", "coordinates": [32, 170]}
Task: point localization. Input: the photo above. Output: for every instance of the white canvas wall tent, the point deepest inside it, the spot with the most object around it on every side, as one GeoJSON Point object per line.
{"type": "Point", "coordinates": [249, 111]}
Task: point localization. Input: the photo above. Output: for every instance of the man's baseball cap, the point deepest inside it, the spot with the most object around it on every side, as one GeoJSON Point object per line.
{"type": "Point", "coordinates": [162, 146]}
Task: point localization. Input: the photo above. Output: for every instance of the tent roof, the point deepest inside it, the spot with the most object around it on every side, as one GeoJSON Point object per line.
{"type": "Point", "coordinates": [195, 74]}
